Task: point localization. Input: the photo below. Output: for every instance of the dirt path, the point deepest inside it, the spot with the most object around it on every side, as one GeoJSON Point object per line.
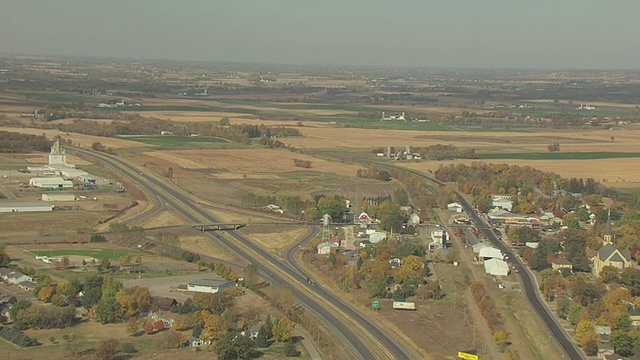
{"type": "Point", "coordinates": [475, 312]}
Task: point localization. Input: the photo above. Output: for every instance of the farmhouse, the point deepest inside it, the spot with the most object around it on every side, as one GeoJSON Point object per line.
{"type": "Point", "coordinates": [59, 197]}
{"type": "Point", "coordinates": [9, 207]}
{"type": "Point", "coordinates": [51, 183]}
{"type": "Point", "coordinates": [209, 285]}
{"type": "Point", "coordinates": [496, 267]}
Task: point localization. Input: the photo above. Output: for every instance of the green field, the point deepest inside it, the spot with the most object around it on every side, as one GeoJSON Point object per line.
{"type": "Point", "coordinates": [558, 155]}
{"type": "Point", "coordinates": [94, 253]}
{"type": "Point", "coordinates": [176, 140]}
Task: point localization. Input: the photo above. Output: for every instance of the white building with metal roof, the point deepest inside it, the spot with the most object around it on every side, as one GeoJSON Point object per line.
{"type": "Point", "coordinates": [51, 183]}
{"type": "Point", "coordinates": [14, 207]}
{"type": "Point", "coordinates": [496, 267]}
{"type": "Point", "coordinates": [209, 285]}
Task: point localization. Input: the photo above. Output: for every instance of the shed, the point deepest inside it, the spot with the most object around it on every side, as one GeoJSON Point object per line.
{"type": "Point", "coordinates": [209, 285]}
{"type": "Point", "coordinates": [59, 197]}
{"type": "Point", "coordinates": [490, 253]}
{"type": "Point", "coordinates": [13, 207]}
{"type": "Point", "coordinates": [496, 267]}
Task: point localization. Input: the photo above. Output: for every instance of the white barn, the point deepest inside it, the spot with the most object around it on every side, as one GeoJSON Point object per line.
{"type": "Point", "coordinates": [209, 285]}
{"type": "Point", "coordinates": [496, 267]}
{"type": "Point", "coordinates": [324, 248]}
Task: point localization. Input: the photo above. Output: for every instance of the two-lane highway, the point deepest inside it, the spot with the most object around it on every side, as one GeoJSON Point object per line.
{"type": "Point", "coordinates": [561, 337]}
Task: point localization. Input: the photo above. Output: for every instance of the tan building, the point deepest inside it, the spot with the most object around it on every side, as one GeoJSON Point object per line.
{"type": "Point", "coordinates": [561, 263]}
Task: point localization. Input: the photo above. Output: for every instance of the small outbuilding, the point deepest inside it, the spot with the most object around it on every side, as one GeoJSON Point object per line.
{"type": "Point", "coordinates": [59, 197]}
{"type": "Point", "coordinates": [496, 267]}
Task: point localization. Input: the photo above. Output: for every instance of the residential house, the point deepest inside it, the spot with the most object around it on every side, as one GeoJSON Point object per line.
{"type": "Point", "coordinates": [16, 277]}
{"type": "Point", "coordinates": [613, 356]}
{"type": "Point", "coordinates": [603, 332]}
{"type": "Point", "coordinates": [394, 263]}
{"type": "Point", "coordinates": [414, 220]}
{"type": "Point", "coordinates": [608, 255]}
{"type": "Point", "coordinates": [561, 263]}
{"type": "Point", "coordinates": [439, 238]}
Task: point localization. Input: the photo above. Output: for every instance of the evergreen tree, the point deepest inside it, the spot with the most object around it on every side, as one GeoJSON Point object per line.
{"type": "Point", "coordinates": [261, 339]}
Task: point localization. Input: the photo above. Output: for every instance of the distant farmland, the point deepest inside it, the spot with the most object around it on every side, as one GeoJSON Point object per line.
{"type": "Point", "coordinates": [559, 155]}
{"type": "Point", "coordinates": [176, 140]}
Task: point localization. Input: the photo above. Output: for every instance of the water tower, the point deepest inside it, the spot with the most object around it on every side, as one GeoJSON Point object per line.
{"type": "Point", "coordinates": [326, 234]}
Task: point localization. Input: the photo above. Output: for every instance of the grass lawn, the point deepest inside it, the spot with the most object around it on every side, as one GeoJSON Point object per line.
{"type": "Point", "coordinates": [558, 155]}
{"type": "Point", "coordinates": [176, 140]}
{"type": "Point", "coordinates": [95, 253]}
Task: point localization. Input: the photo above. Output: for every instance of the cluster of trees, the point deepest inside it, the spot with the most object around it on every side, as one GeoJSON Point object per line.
{"type": "Point", "coordinates": [302, 163]}
{"type": "Point", "coordinates": [569, 244]}
{"type": "Point", "coordinates": [388, 213]}
{"type": "Point", "coordinates": [11, 142]}
{"type": "Point", "coordinates": [18, 337]}
{"type": "Point", "coordinates": [46, 317]}
{"type": "Point", "coordinates": [97, 238]}
{"type": "Point", "coordinates": [445, 152]}
{"type": "Point", "coordinates": [374, 173]}
{"type": "Point", "coordinates": [98, 146]}
{"type": "Point", "coordinates": [489, 312]}
{"type": "Point", "coordinates": [553, 147]}
{"type": "Point", "coordinates": [334, 205]}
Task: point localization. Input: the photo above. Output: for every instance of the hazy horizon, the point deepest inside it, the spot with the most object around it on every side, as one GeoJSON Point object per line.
{"type": "Point", "coordinates": [467, 34]}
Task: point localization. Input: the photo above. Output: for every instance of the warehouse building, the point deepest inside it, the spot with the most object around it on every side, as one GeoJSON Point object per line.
{"type": "Point", "coordinates": [209, 285]}
{"type": "Point", "coordinates": [51, 183]}
{"type": "Point", "coordinates": [59, 197]}
{"type": "Point", "coordinates": [496, 267]}
{"type": "Point", "coordinates": [10, 207]}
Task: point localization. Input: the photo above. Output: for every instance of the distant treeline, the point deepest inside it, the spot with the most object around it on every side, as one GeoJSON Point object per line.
{"type": "Point", "coordinates": [139, 125]}
{"type": "Point", "coordinates": [445, 152]}
{"type": "Point", "coordinates": [11, 142]}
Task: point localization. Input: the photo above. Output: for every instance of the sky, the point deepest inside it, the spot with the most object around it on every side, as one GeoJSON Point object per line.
{"type": "Point", "coordinates": [494, 34]}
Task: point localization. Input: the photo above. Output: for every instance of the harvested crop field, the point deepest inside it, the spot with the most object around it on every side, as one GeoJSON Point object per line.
{"type": "Point", "coordinates": [246, 163]}
{"type": "Point", "coordinates": [83, 140]}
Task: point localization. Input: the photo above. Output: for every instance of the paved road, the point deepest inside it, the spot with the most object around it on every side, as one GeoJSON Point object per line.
{"type": "Point", "coordinates": [529, 287]}
{"type": "Point", "coordinates": [183, 205]}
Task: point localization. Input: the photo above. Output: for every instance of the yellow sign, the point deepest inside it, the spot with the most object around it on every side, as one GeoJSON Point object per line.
{"type": "Point", "coordinates": [467, 356]}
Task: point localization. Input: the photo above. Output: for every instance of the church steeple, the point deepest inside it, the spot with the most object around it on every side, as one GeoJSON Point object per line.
{"type": "Point", "coordinates": [608, 235]}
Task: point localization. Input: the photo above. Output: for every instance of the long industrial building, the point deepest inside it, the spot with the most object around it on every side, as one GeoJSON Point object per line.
{"type": "Point", "coordinates": [51, 183]}
{"type": "Point", "coordinates": [62, 196]}
{"type": "Point", "coordinates": [13, 207]}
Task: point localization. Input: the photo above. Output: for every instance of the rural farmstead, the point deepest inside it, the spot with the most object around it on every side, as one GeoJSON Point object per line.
{"type": "Point", "coordinates": [209, 285]}
{"type": "Point", "coordinates": [25, 207]}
